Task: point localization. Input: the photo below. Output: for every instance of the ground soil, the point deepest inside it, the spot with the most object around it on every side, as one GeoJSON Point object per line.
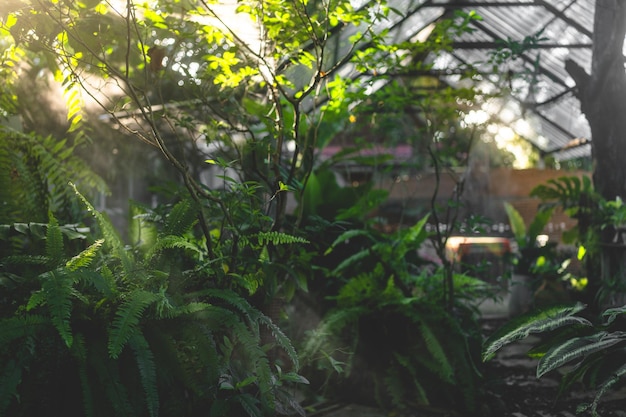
{"type": "Point", "coordinates": [512, 390]}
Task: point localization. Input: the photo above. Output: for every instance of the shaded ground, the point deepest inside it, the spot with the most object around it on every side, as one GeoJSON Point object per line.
{"type": "Point", "coordinates": [512, 391]}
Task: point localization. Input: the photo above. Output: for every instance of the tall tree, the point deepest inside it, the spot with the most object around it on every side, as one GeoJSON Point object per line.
{"type": "Point", "coordinates": [603, 97]}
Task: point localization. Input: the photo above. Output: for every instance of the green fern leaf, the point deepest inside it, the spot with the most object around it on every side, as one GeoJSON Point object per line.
{"type": "Point", "coordinates": [110, 235]}
{"type": "Point", "coordinates": [58, 288]}
{"type": "Point", "coordinates": [147, 371]}
{"type": "Point", "coordinates": [534, 322]}
{"type": "Point", "coordinates": [444, 368]}
{"type": "Point", "coordinates": [282, 341]}
{"type": "Point", "coordinates": [18, 327]}
{"type": "Point", "coordinates": [170, 242]}
{"type": "Point", "coordinates": [606, 386]}
{"type": "Point", "coordinates": [54, 242]}
{"type": "Point", "coordinates": [250, 404]}
{"type": "Point", "coordinates": [278, 238]}
{"type": "Point", "coordinates": [127, 318]}
{"type": "Point", "coordinates": [181, 218]}
{"type": "Point", "coordinates": [576, 348]}
{"type": "Point", "coordinates": [79, 351]}
{"type": "Point", "coordinates": [345, 236]}
{"type": "Point", "coordinates": [36, 299]}
{"type": "Point", "coordinates": [84, 259]}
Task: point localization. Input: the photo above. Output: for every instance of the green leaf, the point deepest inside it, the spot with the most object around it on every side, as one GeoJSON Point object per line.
{"type": "Point", "coordinates": [518, 227]}
{"type": "Point", "coordinates": [533, 322]}
{"type": "Point", "coordinates": [576, 348]}
{"type": "Point", "coordinates": [84, 258]}
{"type": "Point", "coordinates": [127, 319]}
{"type": "Point", "coordinates": [147, 371]}
{"type": "Point", "coordinates": [58, 287]}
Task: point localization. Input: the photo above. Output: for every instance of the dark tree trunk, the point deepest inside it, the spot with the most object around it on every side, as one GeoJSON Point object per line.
{"type": "Point", "coordinates": [603, 98]}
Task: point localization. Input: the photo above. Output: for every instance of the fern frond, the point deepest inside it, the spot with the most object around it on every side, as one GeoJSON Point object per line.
{"type": "Point", "coordinates": [282, 341]}
{"type": "Point", "coordinates": [84, 259]}
{"type": "Point", "coordinates": [181, 218]}
{"type": "Point", "coordinates": [606, 386]}
{"type": "Point", "coordinates": [575, 348]}
{"type": "Point", "coordinates": [127, 318]}
{"type": "Point", "coordinates": [36, 299]}
{"type": "Point", "coordinates": [147, 371]}
{"type": "Point", "coordinates": [18, 327]}
{"type": "Point", "coordinates": [170, 242]}
{"type": "Point", "coordinates": [233, 299]}
{"type": "Point", "coordinates": [534, 322]}
{"type": "Point", "coordinates": [443, 366]}
{"type": "Point", "coordinates": [250, 405]}
{"type": "Point", "coordinates": [347, 235]}
{"type": "Point", "coordinates": [58, 288]}
{"type": "Point", "coordinates": [111, 237]}
{"type": "Point", "coordinates": [278, 238]}
{"type": "Point", "coordinates": [54, 242]}
{"type": "Point", "coordinates": [79, 351]}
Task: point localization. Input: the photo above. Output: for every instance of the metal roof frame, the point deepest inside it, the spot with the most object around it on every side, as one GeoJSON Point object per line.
{"type": "Point", "coordinates": [566, 29]}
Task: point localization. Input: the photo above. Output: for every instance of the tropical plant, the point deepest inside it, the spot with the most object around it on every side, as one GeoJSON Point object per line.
{"type": "Point", "coordinates": [591, 353]}
{"type": "Point", "coordinates": [110, 331]}
{"type": "Point", "coordinates": [529, 248]}
{"type": "Point", "coordinates": [389, 336]}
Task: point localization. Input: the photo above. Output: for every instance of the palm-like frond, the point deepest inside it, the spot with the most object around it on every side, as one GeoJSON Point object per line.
{"type": "Point", "coordinates": [577, 348]}
{"type": "Point", "coordinates": [534, 322]}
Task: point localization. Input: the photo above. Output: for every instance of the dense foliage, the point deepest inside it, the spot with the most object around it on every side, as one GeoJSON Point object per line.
{"type": "Point", "coordinates": [172, 314]}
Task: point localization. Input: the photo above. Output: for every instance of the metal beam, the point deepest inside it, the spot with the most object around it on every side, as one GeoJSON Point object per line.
{"type": "Point", "coordinates": [496, 44]}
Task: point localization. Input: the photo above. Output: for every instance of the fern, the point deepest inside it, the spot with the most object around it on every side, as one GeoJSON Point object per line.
{"type": "Point", "coordinates": [443, 367]}
{"type": "Point", "coordinates": [282, 340]}
{"type": "Point", "coordinates": [279, 238]}
{"type": "Point", "coordinates": [54, 243]}
{"type": "Point", "coordinates": [79, 352]}
{"type": "Point", "coordinates": [19, 327]}
{"type": "Point", "coordinates": [606, 386]}
{"type": "Point", "coordinates": [58, 288]}
{"type": "Point", "coordinates": [84, 259]}
{"type": "Point", "coordinates": [110, 235]}
{"type": "Point", "coordinates": [127, 319]}
{"type": "Point", "coordinates": [181, 218]}
{"type": "Point", "coordinates": [533, 322]}
{"type": "Point", "coordinates": [170, 242]}
{"type": "Point", "coordinates": [346, 236]}
{"type": "Point", "coordinates": [147, 371]}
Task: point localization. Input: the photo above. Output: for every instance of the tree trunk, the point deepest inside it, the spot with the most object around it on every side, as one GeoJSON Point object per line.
{"type": "Point", "coordinates": [602, 96]}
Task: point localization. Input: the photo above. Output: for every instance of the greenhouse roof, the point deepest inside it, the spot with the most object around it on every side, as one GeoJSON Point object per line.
{"type": "Point", "coordinates": [542, 106]}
